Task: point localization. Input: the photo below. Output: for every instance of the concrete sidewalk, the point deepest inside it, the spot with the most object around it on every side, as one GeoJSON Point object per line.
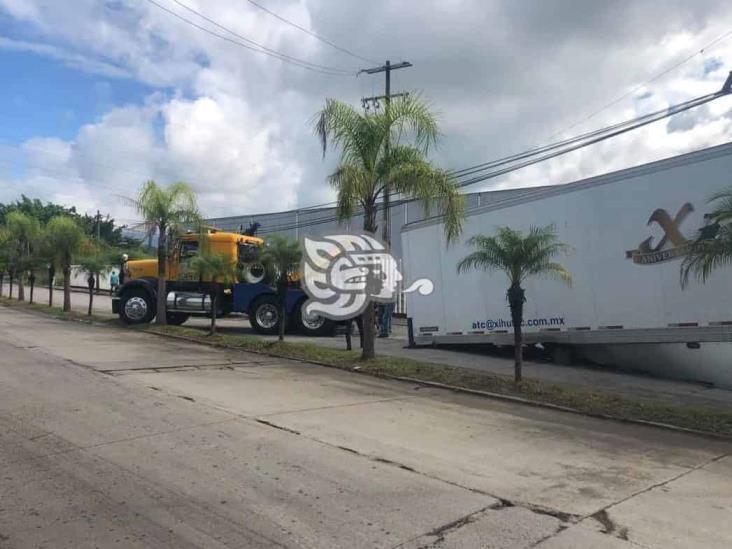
{"type": "Point", "coordinates": [483, 359]}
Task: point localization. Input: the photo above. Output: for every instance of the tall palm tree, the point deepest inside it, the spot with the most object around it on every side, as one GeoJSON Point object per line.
{"type": "Point", "coordinates": [165, 210]}
{"type": "Point", "coordinates": [374, 156]}
{"type": "Point", "coordinates": [520, 257]}
{"type": "Point", "coordinates": [281, 257]}
{"type": "Point", "coordinates": [712, 248]}
{"type": "Point", "coordinates": [215, 269]}
{"type": "Point", "coordinates": [65, 240]}
{"type": "Point", "coordinates": [23, 231]}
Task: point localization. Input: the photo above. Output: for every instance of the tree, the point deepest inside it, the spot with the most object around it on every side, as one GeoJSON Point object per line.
{"type": "Point", "coordinates": [165, 210]}
{"type": "Point", "coordinates": [712, 248]}
{"type": "Point", "coordinates": [4, 256]}
{"type": "Point", "coordinates": [281, 257]}
{"type": "Point", "coordinates": [519, 256]}
{"type": "Point", "coordinates": [94, 262]}
{"type": "Point", "coordinates": [373, 157]}
{"type": "Point", "coordinates": [215, 269]}
{"type": "Point", "coordinates": [64, 239]}
{"type": "Point", "coordinates": [22, 233]}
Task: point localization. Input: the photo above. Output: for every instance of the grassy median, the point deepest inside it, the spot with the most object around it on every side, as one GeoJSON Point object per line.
{"type": "Point", "coordinates": [587, 401]}
{"type": "Point", "coordinates": [55, 311]}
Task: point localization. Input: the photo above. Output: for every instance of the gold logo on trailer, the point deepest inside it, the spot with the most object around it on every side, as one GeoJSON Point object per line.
{"type": "Point", "coordinates": [673, 244]}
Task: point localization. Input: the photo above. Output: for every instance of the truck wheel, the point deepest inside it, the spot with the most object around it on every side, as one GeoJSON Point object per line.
{"type": "Point", "coordinates": [136, 307]}
{"type": "Point", "coordinates": [264, 315]}
{"type": "Point", "coordinates": [312, 325]}
{"type": "Point", "coordinates": [176, 319]}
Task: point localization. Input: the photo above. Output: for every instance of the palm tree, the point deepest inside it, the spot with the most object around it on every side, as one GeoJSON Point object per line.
{"type": "Point", "coordinates": [64, 239]}
{"type": "Point", "coordinates": [4, 256]}
{"type": "Point", "coordinates": [165, 210]}
{"type": "Point", "coordinates": [94, 262]}
{"type": "Point", "coordinates": [713, 246]}
{"type": "Point", "coordinates": [373, 159]}
{"type": "Point", "coordinates": [214, 268]}
{"type": "Point", "coordinates": [520, 257]}
{"type": "Point", "coordinates": [281, 257]}
{"type": "Point", "coordinates": [23, 231]}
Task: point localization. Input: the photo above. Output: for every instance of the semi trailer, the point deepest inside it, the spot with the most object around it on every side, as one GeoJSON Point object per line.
{"type": "Point", "coordinates": [628, 231]}
{"type": "Point", "coordinates": [188, 294]}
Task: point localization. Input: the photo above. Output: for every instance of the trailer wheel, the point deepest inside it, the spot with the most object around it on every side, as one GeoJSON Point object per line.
{"type": "Point", "coordinates": [136, 307]}
{"type": "Point", "coordinates": [264, 316]}
{"type": "Point", "coordinates": [312, 325]}
{"type": "Point", "coordinates": [176, 319]}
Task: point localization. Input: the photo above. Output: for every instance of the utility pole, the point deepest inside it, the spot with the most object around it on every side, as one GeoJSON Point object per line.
{"type": "Point", "coordinates": [386, 68]}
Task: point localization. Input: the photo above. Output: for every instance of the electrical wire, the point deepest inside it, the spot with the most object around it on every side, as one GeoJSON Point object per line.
{"type": "Point", "coordinates": [310, 33]}
{"type": "Point", "coordinates": [573, 147]}
{"type": "Point", "coordinates": [256, 47]}
{"type": "Point", "coordinates": [537, 155]}
{"type": "Point", "coordinates": [644, 84]}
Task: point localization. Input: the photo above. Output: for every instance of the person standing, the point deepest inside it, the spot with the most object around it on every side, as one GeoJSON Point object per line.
{"type": "Point", "coordinates": [113, 282]}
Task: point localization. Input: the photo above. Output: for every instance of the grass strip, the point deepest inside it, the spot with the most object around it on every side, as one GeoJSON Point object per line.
{"type": "Point", "coordinates": [577, 399]}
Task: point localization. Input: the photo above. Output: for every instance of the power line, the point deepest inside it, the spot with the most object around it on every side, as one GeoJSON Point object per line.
{"type": "Point", "coordinates": [309, 32]}
{"type": "Point", "coordinates": [584, 143]}
{"type": "Point", "coordinates": [552, 151]}
{"type": "Point", "coordinates": [644, 84]}
{"type": "Point", "coordinates": [255, 47]}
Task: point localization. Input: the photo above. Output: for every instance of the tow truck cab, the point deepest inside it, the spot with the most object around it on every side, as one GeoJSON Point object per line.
{"type": "Point", "coordinates": [190, 295]}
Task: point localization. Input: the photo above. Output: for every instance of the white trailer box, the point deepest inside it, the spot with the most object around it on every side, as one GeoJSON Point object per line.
{"type": "Point", "coordinates": [628, 231]}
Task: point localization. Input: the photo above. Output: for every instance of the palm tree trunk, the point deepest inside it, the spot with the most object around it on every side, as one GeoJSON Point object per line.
{"type": "Point", "coordinates": [162, 293]}
{"type": "Point", "coordinates": [21, 288]}
{"type": "Point", "coordinates": [516, 303]}
{"type": "Point", "coordinates": [67, 287]}
{"type": "Point", "coordinates": [50, 288]}
{"type": "Point", "coordinates": [214, 306]}
{"type": "Point", "coordinates": [282, 297]}
{"type": "Point", "coordinates": [10, 292]}
{"type": "Point", "coordinates": [367, 318]}
{"type": "Point", "coordinates": [91, 301]}
{"type": "Point", "coordinates": [32, 281]}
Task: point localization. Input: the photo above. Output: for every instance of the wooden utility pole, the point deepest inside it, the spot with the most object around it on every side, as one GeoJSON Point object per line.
{"type": "Point", "coordinates": [386, 68]}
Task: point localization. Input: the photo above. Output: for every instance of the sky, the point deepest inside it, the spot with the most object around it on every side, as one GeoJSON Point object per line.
{"type": "Point", "coordinates": [98, 96]}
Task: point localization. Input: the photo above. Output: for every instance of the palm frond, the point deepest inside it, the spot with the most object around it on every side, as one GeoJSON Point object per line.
{"type": "Point", "coordinates": [414, 114]}
{"type": "Point", "coordinates": [707, 255]}
{"type": "Point", "coordinates": [722, 212]}
{"type": "Point", "coordinates": [519, 256]}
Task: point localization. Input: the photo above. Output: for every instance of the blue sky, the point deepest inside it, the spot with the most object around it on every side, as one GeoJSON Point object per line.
{"type": "Point", "coordinates": [40, 96]}
{"type": "Point", "coordinates": [82, 116]}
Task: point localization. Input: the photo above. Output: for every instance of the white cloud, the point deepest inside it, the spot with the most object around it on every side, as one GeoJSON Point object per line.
{"type": "Point", "coordinates": [235, 124]}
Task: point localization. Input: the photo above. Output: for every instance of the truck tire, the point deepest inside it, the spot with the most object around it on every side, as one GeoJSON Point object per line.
{"type": "Point", "coordinates": [176, 319]}
{"type": "Point", "coordinates": [136, 307]}
{"type": "Point", "coordinates": [314, 326]}
{"type": "Point", "coordinates": [264, 316]}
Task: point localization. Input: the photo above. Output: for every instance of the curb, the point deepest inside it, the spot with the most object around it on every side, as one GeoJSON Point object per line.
{"type": "Point", "coordinates": [474, 392]}
{"type": "Point", "coordinates": [425, 383]}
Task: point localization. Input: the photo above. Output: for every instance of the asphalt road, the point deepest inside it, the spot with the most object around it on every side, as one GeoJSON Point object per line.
{"type": "Point", "coordinates": [117, 439]}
